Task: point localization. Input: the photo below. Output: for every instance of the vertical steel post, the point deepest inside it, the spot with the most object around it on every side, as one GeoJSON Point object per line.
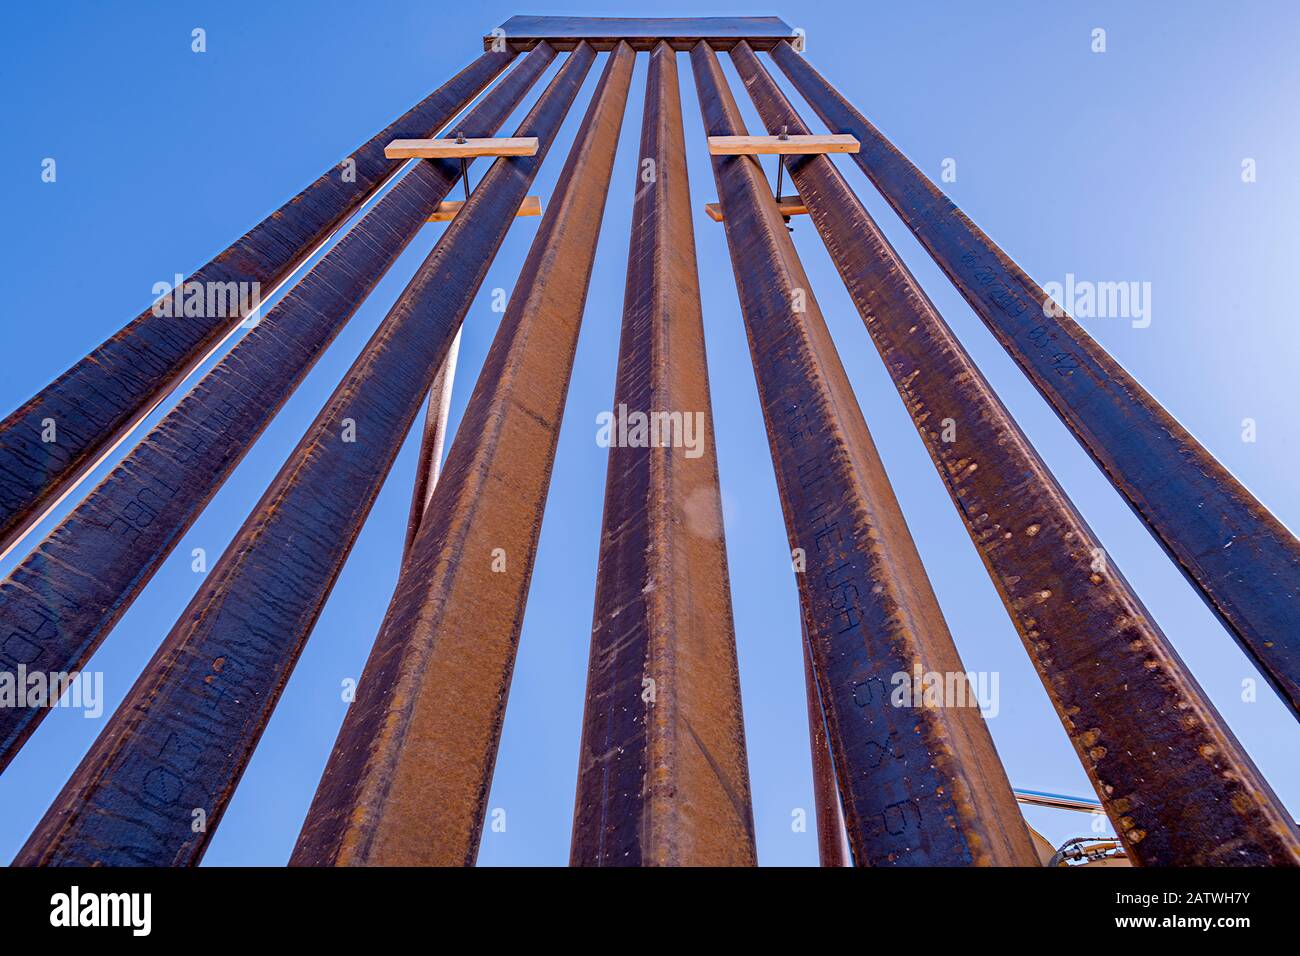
{"type": "Point", "coordinates": [662, 774]}
{"type": "Point", "coordinates": [1172, 776]}
{"type": "Point", "coordinates": [826, 796]}
{"type": "Point", "coordinates": [59, 604]}
{"type": "Point", "coordinates": [433, 438]}
{"type": "Point", "coordinates": [106, 394]}
{"type": "Point", "coordinates": [408, 781]}
{"type": "Point", "coordinates": [1244, 561]}
{"type": "Point", "coordinates": [181, 739]}
{"type": "Point", "coordinates": [920, 785]}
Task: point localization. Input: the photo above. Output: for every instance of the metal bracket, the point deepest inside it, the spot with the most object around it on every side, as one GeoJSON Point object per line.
{"type": "Point", "coordinates": [780, 167]}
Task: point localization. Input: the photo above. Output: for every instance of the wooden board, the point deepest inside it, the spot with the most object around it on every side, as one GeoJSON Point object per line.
{"type": "Point", "coordinates": [642, 33]}
{"type": "Point", "coordinates": [446, 211]}
{"type": "Point", "coordinates": [450, 149]}
{"type": "Point", "coordinates": [787, 207]}
{"type": "Point", "coordinates": [790, 146]}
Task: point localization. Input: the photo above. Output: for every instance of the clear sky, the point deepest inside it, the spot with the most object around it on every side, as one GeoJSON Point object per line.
{"type": "Point", "coordinates": [1116, 166]}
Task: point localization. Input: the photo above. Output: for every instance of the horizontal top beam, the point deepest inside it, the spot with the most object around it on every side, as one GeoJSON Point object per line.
{"type": "Point", "coordinates": [457, 149]}
{"type": "Point", "coordinates": [803, 145]}
{"type": "Point", "coordinates": [642, 33]}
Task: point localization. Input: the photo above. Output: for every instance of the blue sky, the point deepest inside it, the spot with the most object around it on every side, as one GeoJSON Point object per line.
{"type": "Point", "coordinates": [1122, 166]}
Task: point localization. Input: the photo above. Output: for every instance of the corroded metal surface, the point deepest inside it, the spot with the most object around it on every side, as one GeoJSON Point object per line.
{"type": "Point", "coordinates": [1178, 785]}
{"type": "Point", "coordinates": [408, 780]}
{"type": "Point", "coordinates": [181, 739]}
{"type": "Point", "coordinates": [59, 604]}
{"type": "Point", "coordinates": [662, 774]}
{"type": "Point", "coordinates": [920, 785]}
{"type": "Point", "coordinates": [101, 397]}
{"type": "Point", "coordinates": [826, 798]}
{"type": "Point", "coordinates": [1244, 561]}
